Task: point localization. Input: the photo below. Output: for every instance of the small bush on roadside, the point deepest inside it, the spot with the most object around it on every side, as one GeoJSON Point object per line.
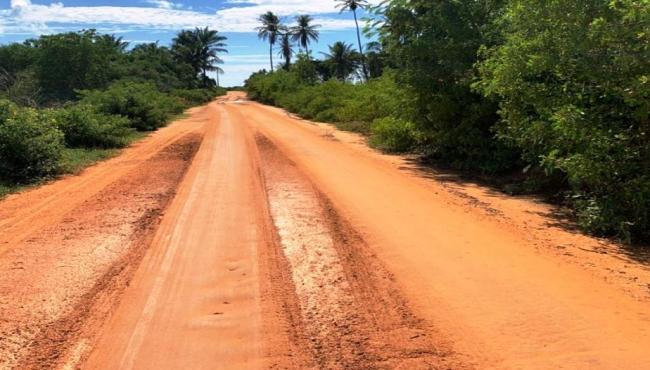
{"type": "Point", "coordinates": [323, 101]}
{"type": "Point", "coordinates": [191, 97]}
{"type": "Point", "coordinates": [83, 126]}
{"type": "Point", "coordinates": [379, 98]}
{"type": "Point", "coordinates": [30, 144]}
{"type": "Point", "coordinates": [270, 87]}
{"type": "Point", "coordinates": [393, 135]}
{"type": "Point", "coordinates": [146, 107]}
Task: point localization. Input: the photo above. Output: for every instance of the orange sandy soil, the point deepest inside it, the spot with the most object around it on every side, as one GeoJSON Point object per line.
{"type": "Point", "coordinates": [242, 237]}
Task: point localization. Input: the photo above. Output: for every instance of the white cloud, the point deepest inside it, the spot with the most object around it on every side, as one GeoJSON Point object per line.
{"type": "Point", "coordinates": [20, 3]}
{"type": "Point", "coordinates": [164, 4]}
{"type": "Point", "coordinates": [245, 60]}
{"type": "Point", "coordinates": [237, 16]}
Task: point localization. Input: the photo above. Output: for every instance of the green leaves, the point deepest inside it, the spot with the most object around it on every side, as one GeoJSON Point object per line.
{"type": "Point", "coordinates": [200, 49]}
{"type": "Point", "coordinates": [434, 46]}
{"type": "Point", "coordinates": [145, 107]}
{"type": "Point", "coordinates": [571, 78]}
{"type": "Point", "coordinates": [304, 32]}
{"type": "Point", "coordinates": [343, 60]}
{"type": "Point", "coordinates": [393, 135]}
{"type": "Point", "coordinates": [30, 144]}
{"type": "Point", "coordinates": [77, 60]}
{"type": "Point", "coordinates": [84, 126]}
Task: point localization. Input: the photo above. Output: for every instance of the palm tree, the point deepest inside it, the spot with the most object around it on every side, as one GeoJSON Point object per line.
{"type": "Point", "coordinates": [200, 48]}
{"type": "Point", "coordinates": [269, 30]}
{"type": "Point", "coordinates": [210, 44]}
{"type": "Point", "coordinates": [374, 59]}
{"type": "Point", "coordinates": [286, 49]}
{"type": "Point", "coordinates": [342, 59]}
{"type": "Point", "coordinates": [353, 5]}
{"type": "Point", "coordinates": [219, 71]}
{"type": "Point", "coordinates": [184, 49]}
{"type": "Point", "coordinates": [305, 32]}
{"type": "Point", "coordinates": [145, 49]}
{"type": "Point", "coordinates": [117, 43]}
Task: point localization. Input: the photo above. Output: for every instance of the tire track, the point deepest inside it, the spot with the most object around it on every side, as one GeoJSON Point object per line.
{"type": "Point", "coordinates": [22, 215]}
{"type": "Point", "coordinates": [353, 314]}
{"type": "Point", "coordinates": [87, 258]}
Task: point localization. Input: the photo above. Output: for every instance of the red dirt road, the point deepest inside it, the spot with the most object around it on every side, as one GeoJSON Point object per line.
{"type": "Point", "coordinates": [244, 238]}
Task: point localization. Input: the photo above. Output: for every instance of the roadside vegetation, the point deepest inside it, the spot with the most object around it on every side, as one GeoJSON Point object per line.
{"type": "Point", "coordinates": [557, 93]}
{"type": "Point", "coordinates": [72, 99]}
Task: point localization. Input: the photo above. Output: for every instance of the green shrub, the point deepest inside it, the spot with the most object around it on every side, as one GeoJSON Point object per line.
{"type": "Point", "coordinates": [21, 88]}
{"type": "Point", "coordinates": [30, 145]}
{"type": "Point", "coordinates": [146, 107]}
{"type": "Point", "coordinates": [192, 97]}
{"type": "Point", "coordinates": [83, 126]}
{"type": "Point", "coordinates": [379, 98]}
{"type": "Point", "coordinates": [270, 87]}
{"type": "Point", "coordinates": [572, 78]}
{"type": "Point", "coordinates": [322, 102]}
{"type": "Point", "coordinates": [7, 109]}
{"type": "Point", "coordinates": [393, 135]}
{"type": "Point", "coordinates": [331, 101]}
{"type": "Point", "coordinates": [75, 60]}
{"type": "Point", "coordinates": [434, 46]}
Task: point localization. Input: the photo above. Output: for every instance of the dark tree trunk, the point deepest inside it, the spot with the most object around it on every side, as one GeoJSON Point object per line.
{"type": "Point", "coordinates": [271, 54]}
{"type": "Point", "coordinates": [363, 56]}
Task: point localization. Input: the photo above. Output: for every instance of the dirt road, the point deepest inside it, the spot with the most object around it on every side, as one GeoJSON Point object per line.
{"type": "Point", "coordinates": [242, 237]}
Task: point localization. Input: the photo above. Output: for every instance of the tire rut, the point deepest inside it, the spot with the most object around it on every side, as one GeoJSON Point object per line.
{"type": "Point", "coordinates": [101, 243]}
{"type": "Point", "coordinates": [352, 311]}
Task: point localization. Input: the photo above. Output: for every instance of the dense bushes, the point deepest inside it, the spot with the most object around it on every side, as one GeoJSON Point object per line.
{"type": "Point", "coordinates": [393, 134]}
{"type": "Point", "coordinates": [331, 101]}
{"type": "Point", "coordinates": [36, 143]}
{"type": "Point", "coordinates": [434, 46]}
{"type": "Point", "coordinates": [30, 144]}
{"type": "Point", "coordinates": [75, 60]}
{"type": "Point", "coordinates": [83, 126]}
{"type": "Point", "coordinates": [190, 97]}
{"type": "Point", "coordinates": [146, 108]}
{"type": "Point", "coordinates": [574, 91]}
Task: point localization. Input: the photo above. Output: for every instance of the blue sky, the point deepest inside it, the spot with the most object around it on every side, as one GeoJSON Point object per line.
{"type": "Point", "coordinates": [139, 21]}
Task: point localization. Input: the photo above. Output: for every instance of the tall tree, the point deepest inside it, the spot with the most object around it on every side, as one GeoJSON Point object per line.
{"type": "Point", "coordinates": [269, 30]}
{"type": "Point", "coordinates": [286, 49]}
{"type": "Point", "coordinates": [374, 59]}
{"type": "Point", "coordinates": [218, 71]}
{"type": "Point", "coordinates": [159, 65]}
{"type": "Point", "coordinates": [200, 48]}
{"type": "Point", "coordinates": [353, 5]}
{"type": "Point", "coordinates": [342, 59]}
{"type": "Point", "coordinates": [185, 51]}
{"type": "Point", "coordinates": [305, 32]}
{"type": "Point", "coordinates": [183, 48]}
{"type": "Point", "coordinates": [73, 61]}
{"type": "Point", "coordinates": [210, 44]}
{"type": "Point", "coordinates": [113, 41]}
{"type": "Point", "coordinates": [435, 46]}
